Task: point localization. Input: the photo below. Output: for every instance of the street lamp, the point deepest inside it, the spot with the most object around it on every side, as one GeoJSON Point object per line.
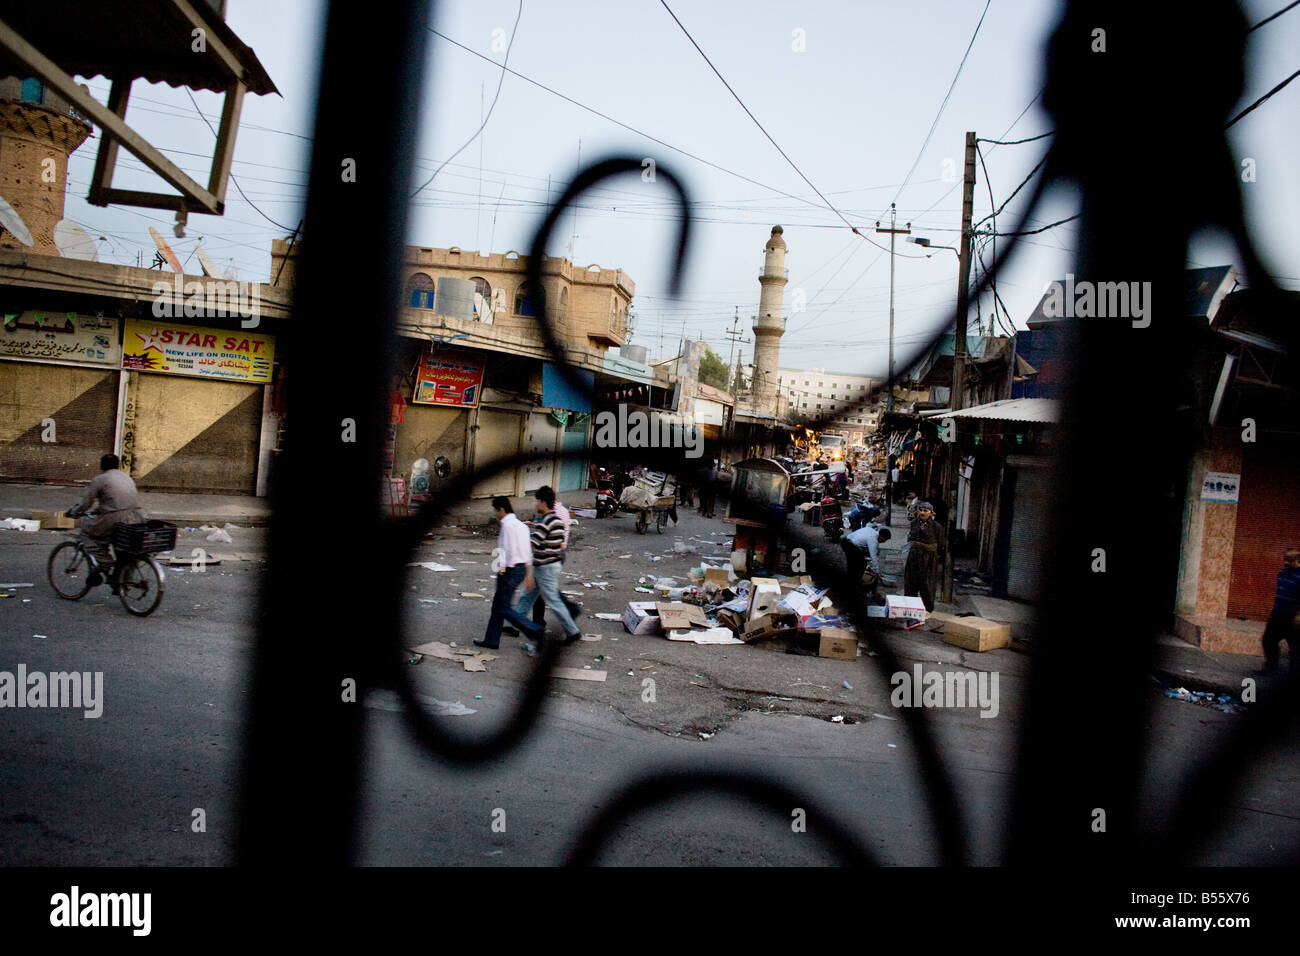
{"type": "Point", "coordinates": [925, 244]}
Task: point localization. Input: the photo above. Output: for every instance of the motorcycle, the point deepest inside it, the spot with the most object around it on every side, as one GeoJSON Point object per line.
{"type": "Point", "coordinates": [608, 488]}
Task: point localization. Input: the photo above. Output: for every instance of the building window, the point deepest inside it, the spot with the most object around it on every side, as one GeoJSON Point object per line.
{"type": "Point", "coordinates": [419, 291]}
{"type": "Point", "coordinates": [819, 395]}
{"type": "Point", "coordinates": [527, 303]}
{"type": "Point", "coordinates": [564, 302]}
{"type": "Point", "coordinates": [833, 385]}
{"type": "Point", "coordinates": [805, 381]}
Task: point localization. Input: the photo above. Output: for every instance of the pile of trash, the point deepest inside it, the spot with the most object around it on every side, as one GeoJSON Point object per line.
{"type": "Point", "coordinates": [787, 614]}
{"type": "Point", "coordinates": [1205, 698]}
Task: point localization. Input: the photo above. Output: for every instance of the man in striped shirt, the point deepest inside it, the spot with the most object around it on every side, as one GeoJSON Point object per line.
{"type": "Point", "coordinates": [548, 540]}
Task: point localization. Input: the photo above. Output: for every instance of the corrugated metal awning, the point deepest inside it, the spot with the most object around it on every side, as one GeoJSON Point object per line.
{"type": "Point", "coordinates": [1008, 410]}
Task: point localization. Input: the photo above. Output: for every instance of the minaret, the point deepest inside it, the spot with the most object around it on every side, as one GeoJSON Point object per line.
{"type": "Point", "coordinates": [769, 326]}
{"type": "Point", "coordinates": [37, 133]}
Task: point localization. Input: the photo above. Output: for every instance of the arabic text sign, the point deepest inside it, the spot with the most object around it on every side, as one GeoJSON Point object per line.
{"type": "Point", "coordinates": [1220, 486]}
{"type": "Point", "coordinates": [241, 356]}
{"type": "Point", "coordinates": [447, 379]}
{"type": "Point", "coordinates": [60, 337]}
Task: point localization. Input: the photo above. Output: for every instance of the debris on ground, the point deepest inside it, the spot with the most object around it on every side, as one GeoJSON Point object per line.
{"type": "Point", "coordinates": [573, 673]}
{"type": "Point", "coordinates": [432, 565]}
{"type": "Point", "coordinates": [472, 660]}
{"type": "Point", "coordinates": [221, 537]}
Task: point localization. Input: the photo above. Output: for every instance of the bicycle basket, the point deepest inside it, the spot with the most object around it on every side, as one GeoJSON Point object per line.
{"type": "Point", "coordinates": [145, 537]}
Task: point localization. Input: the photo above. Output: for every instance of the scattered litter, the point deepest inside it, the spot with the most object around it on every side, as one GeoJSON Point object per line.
{"type": "Point", "coordinates": [681, 547]}
{"type": "Point", "coordinates": [429, 601]}
{"type": "Point", "coordinates": [646, 590]}
{"type": "Point", "coordinates": [631, 673]}
{"type": "Point", "coordinates": [583, 512]}
{"type": "Point", "coordinates": [415, 659]}
{"type": "Point", "coordinates": [712, 635]}
{"type": "Point", "coordinates": [837, 719]}
{"type": "Point", "coordinates": [573, 673]}
{"type": "Point", "coordinates": [693, 684]}
{"type": "Point", "coordinates": [473, 594]}
{"type": "Point", "coordinates": [704, 736]}
{"type": "Point", "coordinates": [599, 657]}
{"type": "Point", "coordinates": [884, 717]}
{"type": "Point", "coordinates": [232, 527]}
{"type": "Point", "coordinates": [431, 565]}
{"type": "Point", "coordinates": [220, 536]}
{"type": "Point", "coordinates": [39, 637]}
{"type": "Point", "coordinates": [648, 667]}
{"type": "Point", "coordinates": [20, 524]}
{"type": "Point", "coordinates": [847, 686]}
{"type": "Point", "coordinates": [389, 700]}
{"type": "Point", "coordinates": [609, 616]}
{"type": "Point", "coordinates": [15, 585]}
{"type": "Point", "coordinates": [591, 637]}
{"type": "Point", "coordinates": [603, 585]}
{"type": "Point", "coordinates": [478, 696]}
{"type": "Point", "coordinates": [891, 745]}
{"type": "Point", "coordinates": [624, 557]}
{"type": "Point", "coordinates": [472, 661]}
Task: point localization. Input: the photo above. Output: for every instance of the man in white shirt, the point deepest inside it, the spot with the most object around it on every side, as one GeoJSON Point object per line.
{"type": "Point", "coordinates": [515, 553]}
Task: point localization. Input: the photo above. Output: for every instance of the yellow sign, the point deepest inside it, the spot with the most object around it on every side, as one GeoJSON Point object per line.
{"type": "Point", "coordinates": [240, 356]}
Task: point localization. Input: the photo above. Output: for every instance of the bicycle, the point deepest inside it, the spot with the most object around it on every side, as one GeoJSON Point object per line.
{"type": "Point", "coordinates": [131, 571]}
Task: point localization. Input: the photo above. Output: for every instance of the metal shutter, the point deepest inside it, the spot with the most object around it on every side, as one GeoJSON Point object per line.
{"type": "Point", "coordinates": [1028, 532]}
{"type": "Point", "coordinates": [1268, 522]}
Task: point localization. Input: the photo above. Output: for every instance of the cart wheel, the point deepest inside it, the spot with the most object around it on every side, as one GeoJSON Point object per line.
{"type": "Point", "coordinates": [661, 519]}
{"type": "Point", "coordinates": [642, 522]}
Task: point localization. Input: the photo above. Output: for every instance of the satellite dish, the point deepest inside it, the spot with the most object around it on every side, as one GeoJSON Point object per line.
{"type": "Point", "coordinates": [209, 267]}
{"type": "Point", "coordinates": [482, 309]}
{"type": "Point", "coordinates": [13, 222]}
{"type": "Point", "coordinates": [74, 242]}
{"type": "Point", "coordinates": [166, 251]}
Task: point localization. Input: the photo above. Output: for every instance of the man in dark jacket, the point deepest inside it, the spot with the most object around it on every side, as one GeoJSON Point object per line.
{"type": "Point", "coordinates": [924, 541]}
{"type": "Point", "coordinates": [1286, 605]}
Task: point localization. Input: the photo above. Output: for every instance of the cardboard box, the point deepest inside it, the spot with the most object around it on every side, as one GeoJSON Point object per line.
{"type": "Point", "coordinates": [720, 576]}
{"type": "Point", "coordinates": [732, 619]}
{"type": "Point", "coordinates": [976, 634]}
{"type": "Point", "coordinates": [766, 592]}
{"type": "Point", "coordinates": [904, 611]}
{"type": "Point", "coordinates": [765, 626]}
{"type": "Point", "coordinates": [62, 522]}
{"type": "Point", "coordinates": [790, 583]}
{"type": "Point", "coordinates": [641, 617]}
{"type": "Point", "coordinates": [680, 617]}
{"type": "Point", "coordinates": [838, 643]}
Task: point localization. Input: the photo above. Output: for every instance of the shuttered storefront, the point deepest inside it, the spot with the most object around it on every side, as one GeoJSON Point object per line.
{"type": "Point", "coordinates": [193, 435]}
{"type": "Point", "coordinates": [1268, 522]}
{"type": "Point", "coordinates": [497, 436]}
{"type": "Point", "coordinates": [74, 406]}
{"type": "Point", "coordinates": [1031, 500]}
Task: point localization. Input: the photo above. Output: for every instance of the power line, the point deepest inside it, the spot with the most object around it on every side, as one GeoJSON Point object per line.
{"type": "Point", "coordinates": [1023, 182]}
{"type": "Point", "coordinates": [1033, 232]}
{"type": "Point", "coordinates": [514, 31]}
{"type": "Point", "coordinates": [1017, 142]}
{"type": "Point", "coordinates": [1294, 3]}
{"type": "Point", "coordinates": [232, 175]}
{"type": "Point", "coordinates": [942, 106]}
{"type": "Point", "coordinates": [765, 133]}
{"type": "Point", "coordinates": [1260, 102]}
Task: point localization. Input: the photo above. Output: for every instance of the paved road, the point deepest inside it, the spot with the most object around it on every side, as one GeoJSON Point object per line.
{"type": "Point", "coordinates": [122, 789]}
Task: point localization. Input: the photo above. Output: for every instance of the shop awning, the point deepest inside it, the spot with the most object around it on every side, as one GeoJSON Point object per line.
{"type": "Point", "coordinates": [1008, 410]}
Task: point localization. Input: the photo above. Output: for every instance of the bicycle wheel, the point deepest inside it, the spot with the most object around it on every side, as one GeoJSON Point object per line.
{"type": "Point", "coordinates": [642, 522]}
{"type": "Point", "coordinates": [661, 519]}
{"type": "Point", "coordinates": [140, 585]}
{"type": "Point", "coordinates": [69, 571]}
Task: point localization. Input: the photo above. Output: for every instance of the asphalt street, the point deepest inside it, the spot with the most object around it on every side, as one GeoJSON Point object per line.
{"type": "Point", "coordinates": [123, 788]}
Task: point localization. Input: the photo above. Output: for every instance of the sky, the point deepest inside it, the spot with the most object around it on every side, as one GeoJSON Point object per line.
{"type": "Point", "coordinates": [848, 90]}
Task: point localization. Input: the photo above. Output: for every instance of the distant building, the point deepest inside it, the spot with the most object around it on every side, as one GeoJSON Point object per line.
{"type": "Point", "coordinates": [817, 393]}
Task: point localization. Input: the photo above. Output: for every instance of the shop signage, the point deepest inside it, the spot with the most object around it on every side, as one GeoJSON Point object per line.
{"type": "Point", "coordinates": [448, 378]}
{"type": "Point", "coordinates": [60, 337]}
{"type": "Point", "coordinates": [240, 356]}
{"type": "Point", "coordinates": [1219, 486]}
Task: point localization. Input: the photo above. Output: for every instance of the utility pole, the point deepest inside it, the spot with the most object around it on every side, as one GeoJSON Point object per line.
{"type": "Point", "coordinates": [952, 479]}
{"type": "Point", "coordinates": [889, 401]}
{"type": "Point", "coordinates": [735, 335]}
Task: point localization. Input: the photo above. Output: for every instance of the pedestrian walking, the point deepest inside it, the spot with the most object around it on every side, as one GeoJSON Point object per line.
{"type": "Point", "coordinates": [924, 539]}
{"type": "Point", "coordinates": [547, 542]}
{"type": "Point", "coordinates": [539, 607]}
{"type": "Point", "coordinates": [1283, 624]}
{"type": "Point", "coordinates": [709, 490]}
{"type": "Point", "coordinates": [515, 554]}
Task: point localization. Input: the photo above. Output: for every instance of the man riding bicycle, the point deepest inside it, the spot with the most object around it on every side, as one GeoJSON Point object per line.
{"type": "Point", "coordinates": [118, 500]}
